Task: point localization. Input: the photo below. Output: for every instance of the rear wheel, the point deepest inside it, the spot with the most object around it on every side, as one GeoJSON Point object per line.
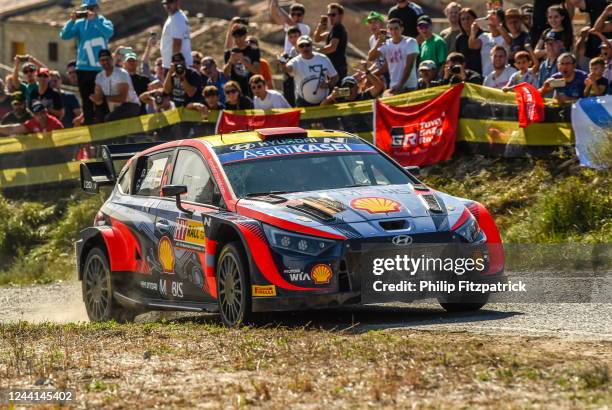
{"type": "Point", "coordinates": [233, 286]}
{"type": "Point", "coordinates": [97, 289]}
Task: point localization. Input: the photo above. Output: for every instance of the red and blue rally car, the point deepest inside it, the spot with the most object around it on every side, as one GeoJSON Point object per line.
{"type": "Point", "coordinates": [267, 220]}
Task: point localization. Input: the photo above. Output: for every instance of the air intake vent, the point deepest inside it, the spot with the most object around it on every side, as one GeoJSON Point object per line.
{"type": "Point", "coordinates": [393, 225]}
{"type": "Point", "coordinates": [432, 203]}
{"type": "Point", "coordinates": [314, 212]}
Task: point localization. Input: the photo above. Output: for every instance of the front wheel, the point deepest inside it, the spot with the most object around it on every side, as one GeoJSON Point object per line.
{"type": "Point", "coordinates": [233, 286]}
{"type": "Point", "coordinates": [463, 302]}
{"type": "Point", "coordinates": [97, 289]}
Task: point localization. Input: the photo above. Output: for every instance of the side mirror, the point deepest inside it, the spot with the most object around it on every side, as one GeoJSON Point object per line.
{"type": "Point", "coordinates": [413, 169]}
{"type": "Point", "coordinates": [176, 191]}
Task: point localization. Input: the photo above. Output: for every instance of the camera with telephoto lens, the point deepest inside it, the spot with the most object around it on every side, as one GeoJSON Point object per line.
{"type": "Point", "coordinates": [456, 69]}
{"type": "Point", "coordinates": [81, 14]}
{"type": "Point", "coordinates": [180, 69]}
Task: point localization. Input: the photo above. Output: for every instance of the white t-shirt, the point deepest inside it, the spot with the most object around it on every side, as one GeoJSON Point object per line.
{"type": "Point", "coordinates": [304, 29]}
{"type": "Point", "coordinates": [176, 26]}
{"type": "Point", "coordinates": [273, 99]}
{"type": "Point", "coordinates": [110, 85]}
{"type": "Point", "coordinates": [499, 81]}
{"type": "Point", "coordinates": [309, 74]}
{"type": "Point", "coordinates": [396, 55]}
{"type": "Point", "coordinates": [488, 42]}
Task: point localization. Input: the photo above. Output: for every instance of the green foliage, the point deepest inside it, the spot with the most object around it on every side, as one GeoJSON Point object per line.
{"type": "Point", "coordinates": [36, 239]}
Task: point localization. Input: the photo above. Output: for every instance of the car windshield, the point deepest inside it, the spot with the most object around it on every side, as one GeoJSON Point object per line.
{"type": "Point", "coordinates": [307, 167]}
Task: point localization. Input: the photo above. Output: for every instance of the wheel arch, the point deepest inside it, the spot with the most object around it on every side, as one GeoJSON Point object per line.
{"type": "Point", "coordinates": [92, 238]}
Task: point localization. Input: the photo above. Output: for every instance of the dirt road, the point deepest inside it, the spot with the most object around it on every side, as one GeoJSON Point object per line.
{"type": "Point", "coordinates": [580, 321]}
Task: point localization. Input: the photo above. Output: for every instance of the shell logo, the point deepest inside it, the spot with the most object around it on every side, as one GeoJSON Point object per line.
{"type": "Point", "coordinates": [376, 205]}
{"type": "Point", "coordinates": [165, 252]}
{"type": "Point", "coordinates": [321, 274]}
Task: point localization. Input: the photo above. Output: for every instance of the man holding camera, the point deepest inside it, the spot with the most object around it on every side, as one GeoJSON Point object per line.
{"type": "Point", "coordinates": [349, 87]}
{"type": "Point", "coordinates": [92, 32]}
{"type": "Point", "coordinates": [295, 18]}
{"type": "Point", "coordinates": [114, 95]}
{"type": "Point", "coordinates": [455, 71]}
{"type": "Point", "coordinates": [28, 87]}
{"type": "Point", "coordinates": [336, 37]}
{"type": "Point", "coordinates": [401, 53]}
{"type": "Point", "coordinates": [176, 36]}
{"type": "Point", "coordinates": [183, 83]}
{"type": "Point", "coordinates": [242, 61]}
{"type": "Point", "coordinates": [568, 83]}
{"type": "Point", "coordinates": [157, 100]}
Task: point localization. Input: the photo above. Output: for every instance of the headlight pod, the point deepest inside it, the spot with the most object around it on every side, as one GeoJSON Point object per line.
{"type": "Point", "coordinates": [470, 231]}
{"type": "Point", "coordinates": [294, 242]}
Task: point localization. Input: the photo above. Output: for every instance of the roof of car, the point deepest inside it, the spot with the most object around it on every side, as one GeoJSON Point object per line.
{"type": "Point", "coordinates": [254, 136]}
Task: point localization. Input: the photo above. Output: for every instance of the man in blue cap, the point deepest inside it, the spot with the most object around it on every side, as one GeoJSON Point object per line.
{"type": "Point", "coordinates": [92, 33]}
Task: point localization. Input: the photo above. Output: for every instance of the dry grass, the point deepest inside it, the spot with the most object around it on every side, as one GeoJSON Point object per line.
{"type": "Point", "coordinates": [199, 364]}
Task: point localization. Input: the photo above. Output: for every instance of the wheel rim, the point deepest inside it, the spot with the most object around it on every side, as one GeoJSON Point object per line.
{"type": "Point", "coordinates": [97, 288]}
{"type": "Point", "coordinates": [230, 289]}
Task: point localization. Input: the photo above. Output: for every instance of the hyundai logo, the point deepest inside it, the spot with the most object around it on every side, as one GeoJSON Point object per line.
{"type": "Point", "coordinates": [241, 147]}
{"type": "Point", "coordinates": [402, 240]}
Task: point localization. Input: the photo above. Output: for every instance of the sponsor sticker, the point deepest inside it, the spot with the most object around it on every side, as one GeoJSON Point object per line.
{"type": "Point", "coordinates": [165, 253]}
{"type": "Point", "coordinates": [189, 234]}
{"type": "Point", "coordinates": [263, 290]}
{"type": "Point", "coordinates": [321, 274]}
{"type": "Point", "coordinates": [376, 205]}
{"type": "Point", "coordinates": [292, 149]}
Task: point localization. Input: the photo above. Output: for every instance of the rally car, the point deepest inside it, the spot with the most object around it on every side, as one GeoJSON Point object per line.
{"type": "Point", "coordinates": [260, 221]}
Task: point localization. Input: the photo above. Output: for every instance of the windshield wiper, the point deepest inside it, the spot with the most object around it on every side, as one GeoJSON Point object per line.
{"type": "Point", "coordinates": [255, 194]}
{"type": "Point", "coordinates": [356, 185]}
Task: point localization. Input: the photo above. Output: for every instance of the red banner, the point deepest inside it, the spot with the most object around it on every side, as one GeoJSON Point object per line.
{"type": "Point", "coordinates": [229, 122]}
{"type": "Point", "coordinates": [530, 104]}
{"type": "Point", "coordinates": [420, 134]}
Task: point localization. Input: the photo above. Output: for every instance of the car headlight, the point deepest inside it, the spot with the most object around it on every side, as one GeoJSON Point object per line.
{"type": "Point", "coordinates": [470, 231]}
{"type": "Point", "coordinates": [291, 241]}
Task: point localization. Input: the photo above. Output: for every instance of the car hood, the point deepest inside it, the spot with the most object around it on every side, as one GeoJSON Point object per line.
{"type": "Point", "coordinates": [353, 205]}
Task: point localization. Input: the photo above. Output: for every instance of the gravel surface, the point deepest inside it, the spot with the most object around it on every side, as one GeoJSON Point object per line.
{"type": "Point", "coordinates": [61, 302]}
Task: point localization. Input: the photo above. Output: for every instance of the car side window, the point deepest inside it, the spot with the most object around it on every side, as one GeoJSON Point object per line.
{"type": "Point", "coordinates": [190, 170]}
{"type": "Point", "coordinates": [149, 174]}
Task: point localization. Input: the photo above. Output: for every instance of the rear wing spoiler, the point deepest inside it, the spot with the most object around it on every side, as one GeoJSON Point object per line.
{"type": "Point", "coordinates": [101, 173]}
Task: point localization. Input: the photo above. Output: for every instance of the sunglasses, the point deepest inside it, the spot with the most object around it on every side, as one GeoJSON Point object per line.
{"type": "Point", "coordinates": [257, 86]}
{"type": "Point", "coordinates": [211, 95]}
{"type": "Point", "coordinates": [423, 25]}
{"type": "Point", "coordinates": [332, 14]}
{"type": "Point", "coordinates": [196, 62]}
{"type": "Point", "coordinates": [304, 45]}
{"type": "Point", "coordinates": [231, 91]}
{"type": "Point", "coordinates": [28, 71]}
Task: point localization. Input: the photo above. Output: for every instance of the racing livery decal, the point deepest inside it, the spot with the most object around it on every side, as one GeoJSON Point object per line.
{"type": "Point", "coordinates": [264, 290]}
{"type": "Point", "coordinates": [189, 234]}
{"type": "Point", "coordinates": [375, 205]}
{"type": "Point", "coordinates": [165, 253]}
{"type": "Point", "coordinates": [321, 274]}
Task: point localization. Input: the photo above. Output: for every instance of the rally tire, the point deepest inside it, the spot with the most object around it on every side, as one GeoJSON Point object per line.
{"type": "Point", "coordinates": [97, 287]}
{"type": "Point", "coordinates": [460, 302]}
{"type": "Point", "coordinates": [234, 286]}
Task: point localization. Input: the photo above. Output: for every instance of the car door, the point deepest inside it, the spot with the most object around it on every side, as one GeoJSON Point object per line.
{"type": "Point", "coordinates": [184, 245]}
{"type": "Point", "coordinates": [150, 173]}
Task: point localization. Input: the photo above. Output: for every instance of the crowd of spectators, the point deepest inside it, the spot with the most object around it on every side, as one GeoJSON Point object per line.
{"type": "Point", "coordinates": [501, 49]}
